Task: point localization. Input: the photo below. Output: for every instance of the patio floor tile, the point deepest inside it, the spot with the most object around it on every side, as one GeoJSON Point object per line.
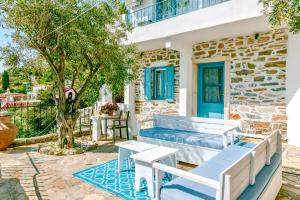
{"type": "Point", "coordinates": [54, 180]}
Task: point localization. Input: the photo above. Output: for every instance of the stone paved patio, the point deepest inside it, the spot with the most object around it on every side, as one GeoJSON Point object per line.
{"type": "Point", "coordinates": [50, 177]}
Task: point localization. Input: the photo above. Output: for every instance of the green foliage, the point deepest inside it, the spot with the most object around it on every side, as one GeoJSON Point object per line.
{"type": "Point", "coordinates": [47, 96]}
{"type": "Point", "coordinates": [283, 12]}
{"type": "Point", "coordinates": [92, 93]}
{"type": "Point", "coordinates": [89, 46]}
{"type": "Point", "coordinates": [22, 79]}
{"type": "Point", "coordinates": [38, 119]}
{"type": "Point", "coordinates": [5, 80]}
{"type": "Point", "coordinates": [78, 39]}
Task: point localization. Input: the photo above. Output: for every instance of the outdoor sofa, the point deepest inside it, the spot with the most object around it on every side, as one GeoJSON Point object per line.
{"type": "Point", "coordinates": [197, 139]}
{"type": "Point", "coordinates": [243, 171]}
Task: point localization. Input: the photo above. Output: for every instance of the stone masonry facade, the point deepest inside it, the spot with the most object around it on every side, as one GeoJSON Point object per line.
{"type": "Point", "coordinates": [258, 77]}
{"type": "Point", "coordinates": [157, 58]}
{"type": "Point", "coordinates": [257, 74]}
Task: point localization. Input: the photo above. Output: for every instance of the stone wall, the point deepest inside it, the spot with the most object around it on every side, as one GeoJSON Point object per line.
{"type": "Point", "coordinates": [156, 58]}
{"type": "Point", "coordinates": [258, 77]}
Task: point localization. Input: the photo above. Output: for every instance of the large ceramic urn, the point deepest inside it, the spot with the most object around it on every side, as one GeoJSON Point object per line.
{"type": "Point", "coordinates": [8, 131]}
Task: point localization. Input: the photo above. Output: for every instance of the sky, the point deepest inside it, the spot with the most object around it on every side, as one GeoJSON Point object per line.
{"type": "Point", "coordinates": [4, 39]}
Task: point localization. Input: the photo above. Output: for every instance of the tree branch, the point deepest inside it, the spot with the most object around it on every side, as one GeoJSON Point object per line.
{"type": "Point", "coordinates": [75, 75]}
{"type": "Point", "coordinates": [89, 61]}
{"type": "Point", "coordinates": [86, 84]}
{"type": "Point", "coordinates": [48, 59]}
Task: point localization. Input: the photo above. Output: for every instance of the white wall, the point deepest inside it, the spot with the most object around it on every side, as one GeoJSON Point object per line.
{"type": "Point", "coordinates": [185, 83]}
{"type": "Point", "coordinates": [293, 89]}
{"type": "Point", "coordinates": [185, 80]}
{"type": "Point", "coordinates": [129, 94]}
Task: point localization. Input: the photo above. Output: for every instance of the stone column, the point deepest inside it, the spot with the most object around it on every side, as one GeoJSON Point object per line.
{"type": "Point", "coordinates": [293, 89]}
{"type": "Point", "coordinates": [185, 83]}
{"type": "Point", "coordinates": [129, 94]}
{"type": "Point", "coordinates": [185, 77]}
{"type": "Point", "coordinates": [96, 128]}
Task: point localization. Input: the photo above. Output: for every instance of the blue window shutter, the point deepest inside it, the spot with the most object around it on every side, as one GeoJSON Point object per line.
{"type": "Point", "coordinates": [147, 83]}
{"type": "Point", "coordinates": [170, 83]}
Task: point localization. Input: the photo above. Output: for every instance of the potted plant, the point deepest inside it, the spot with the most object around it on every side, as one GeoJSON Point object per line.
{"type": "Point", "coordinates": [8, 130]}
{"type": "Point", "coordinates": [109, 108]}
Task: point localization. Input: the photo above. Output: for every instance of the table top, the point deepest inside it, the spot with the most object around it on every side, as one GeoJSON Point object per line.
{"type": "Point", "coordinates": [155, 154]}
{"type": "Point", "coordinates": [109, 117]}
{"type": "Point", "coordinates": [136, 146]}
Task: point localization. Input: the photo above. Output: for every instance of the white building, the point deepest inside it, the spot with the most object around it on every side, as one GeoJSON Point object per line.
{"type": "Point", "coordinates": [35, 89]}
{"type": "Point", "coordinates": [216, 58]}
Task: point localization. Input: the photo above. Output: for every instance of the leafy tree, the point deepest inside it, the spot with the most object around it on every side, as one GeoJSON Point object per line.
{"type": "Point", "coordinates": [92, 93]}
{"type": "Point", "coordinates": [47, 97]}
{"type": "Point", "coordinates": [5, 80]}
{"type": "Point", "coordinates": [283, 12]}
{"type": "Point", "coordinates": [78, 40]}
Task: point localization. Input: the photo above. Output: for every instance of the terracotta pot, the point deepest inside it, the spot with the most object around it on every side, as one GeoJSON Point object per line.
{"type": "Point", "coordinates": [8, 131]}
{"type": "Point", "coordinates": [111, 113]}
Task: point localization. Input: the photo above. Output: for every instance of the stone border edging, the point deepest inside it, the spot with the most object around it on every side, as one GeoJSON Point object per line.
{"type": "Point", "coordinates": [45, 138]}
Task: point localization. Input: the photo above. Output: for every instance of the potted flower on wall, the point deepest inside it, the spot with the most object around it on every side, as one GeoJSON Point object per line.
{"type": "Point", "coordinates": [109, 109]}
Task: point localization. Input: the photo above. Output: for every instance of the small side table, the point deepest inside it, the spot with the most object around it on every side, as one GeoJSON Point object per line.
{"type": "Point", "coordinates": [144, 161]}
{"type": "Point", "coordinates": [130, 147]}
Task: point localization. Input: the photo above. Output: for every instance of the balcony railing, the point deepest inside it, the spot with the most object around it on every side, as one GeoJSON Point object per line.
{"type": "Point", "coordinates": [167, 9]}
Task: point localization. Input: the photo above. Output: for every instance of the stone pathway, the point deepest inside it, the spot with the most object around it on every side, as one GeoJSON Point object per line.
{"type": "Point", "coordinates": [44, 177]}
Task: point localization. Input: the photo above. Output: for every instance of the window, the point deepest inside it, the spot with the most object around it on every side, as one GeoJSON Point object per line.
{"type": "Point", "coordinates": [159, 83]}
{"type": "Point", "coordinates": [212, 85]}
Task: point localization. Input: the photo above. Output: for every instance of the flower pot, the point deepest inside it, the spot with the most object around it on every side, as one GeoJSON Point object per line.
{"type": "Point", "coordinates": [8, 131]}
{"type": "Point", "coordinates": [111, 113]}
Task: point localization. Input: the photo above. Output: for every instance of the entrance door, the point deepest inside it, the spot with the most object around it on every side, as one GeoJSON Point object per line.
{"type": "Point", "coordinates": [211, 90]}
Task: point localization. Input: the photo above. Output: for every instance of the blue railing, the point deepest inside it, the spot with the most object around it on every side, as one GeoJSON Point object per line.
{"type": "Point", "coordinates": [166, 9]}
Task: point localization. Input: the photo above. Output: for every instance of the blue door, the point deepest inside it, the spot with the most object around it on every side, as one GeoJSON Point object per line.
{"type": "Point", "coordinates": [211, 90]}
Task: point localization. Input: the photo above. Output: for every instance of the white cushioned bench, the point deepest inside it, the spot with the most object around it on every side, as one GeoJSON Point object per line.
{"type": "Point", "coordinates": [241, 171]}
{"type": "Point", "coordinates": [198, 139]}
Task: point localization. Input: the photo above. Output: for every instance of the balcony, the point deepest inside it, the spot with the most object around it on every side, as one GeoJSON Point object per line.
{"type": "Point", "coordinates": [167, 9]}
{"type": "Point", "coordinates": [199, 20]}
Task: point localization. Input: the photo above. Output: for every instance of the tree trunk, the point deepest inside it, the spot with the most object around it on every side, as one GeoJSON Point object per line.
{"type": "Point", "coordinates": [66, 125]}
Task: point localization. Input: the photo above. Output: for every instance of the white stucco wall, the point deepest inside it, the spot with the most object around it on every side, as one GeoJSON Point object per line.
{"type": "Point", "coordinates": [293, 89]}
{"type": "Point", "coordinates": [185, 92]}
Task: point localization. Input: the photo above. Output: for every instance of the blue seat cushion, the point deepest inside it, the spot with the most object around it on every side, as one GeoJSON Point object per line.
{"type": "Point", "coordinates": [253, 192]}
{"type": "Point", "coordinates": [181, 188]}
{"type": "Point", "coordinates": [185, 137]}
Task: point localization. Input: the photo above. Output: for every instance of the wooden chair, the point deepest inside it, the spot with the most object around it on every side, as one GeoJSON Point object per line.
{"type": "Point", "coordinates": [120, 123]}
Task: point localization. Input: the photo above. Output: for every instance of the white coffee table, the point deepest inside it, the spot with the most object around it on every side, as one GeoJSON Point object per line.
{"type": "Point", "coordinates": [144, 161]}
{"type": "Point", "coordinates": [130, 147]}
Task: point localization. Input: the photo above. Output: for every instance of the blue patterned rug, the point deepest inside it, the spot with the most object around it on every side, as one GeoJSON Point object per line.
{"type": "Point", "coordinates": [107, 177]}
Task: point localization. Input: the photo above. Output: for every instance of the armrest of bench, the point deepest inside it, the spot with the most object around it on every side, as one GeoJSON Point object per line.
{"type": "Point", "coordinates": [234, 133]}
{"type": "Point", "coordinates": [146, 120]}
{"type": "Point", "coordinates": [160, 168]}
{"type": "Point", "coordinates": [256, 136]}
{"type": "Point", "coordinates": [139, 123]}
